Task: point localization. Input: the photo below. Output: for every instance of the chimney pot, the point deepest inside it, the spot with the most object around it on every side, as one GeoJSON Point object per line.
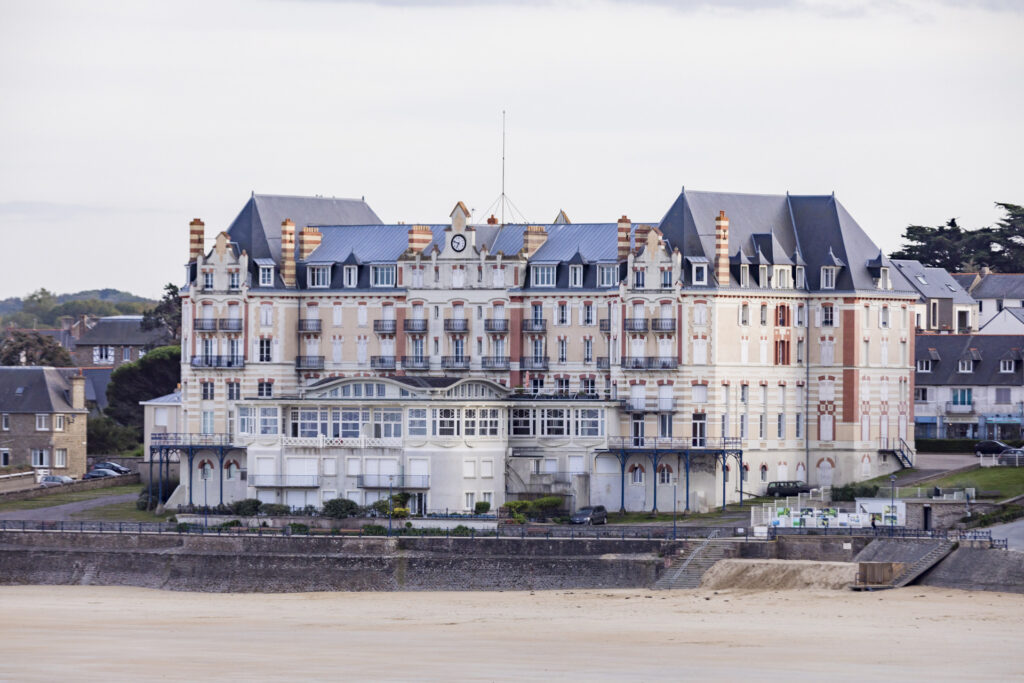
{"type": "Point", "coordinates": [492, 220]}
{"type": "Point", "coordinates": [722, 249]}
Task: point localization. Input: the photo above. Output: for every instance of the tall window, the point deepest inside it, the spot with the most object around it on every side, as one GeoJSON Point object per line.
{"type": "Point", "coordinates": [666, 279]}
{"type": "Point", "coordinates": [608, 276]}
{"type": "Point", "coordinates": [575, 276]}
{"type": "Point", "coordinates": [58, 423]}
{"type": "Point", "coordinates": [207, 388]}
{"type": "Point", "coordinates": [588, 314]}
{"type": "Point", "coordinates": [207, 280]}
{"type": "Point", "coordinates": [639, 277]}
{"type": "Point", "coordinates": [42, 423]}
{"type": "Point", "coordinates": [351, 275]}
{"type": "Point", "coordinates": [60, 457]}
{"type": "Point", "coordinates": [828, 316]}
{"type": "Point", "coordinates": [265, 350]}
{"type": "Point", "coordinates": [700, 274]}
{"type": "Point", "coordinates": [828, 277]}
{"type": "Point", "coordinates": [233, 280]}
{"type": "Point", "coordinates": [588, 350]}
{"type": "Point", "coordinates": [40, 457]}
{"type": "Point", "coordinates": [563, 346]}
{"type": "Point", "coordinates": [234, 391]}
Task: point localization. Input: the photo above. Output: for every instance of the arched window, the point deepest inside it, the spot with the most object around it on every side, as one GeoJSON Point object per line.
{"type": "Point", "coordinates": [764, 472]}
{"type": "Point", "coordinates": [664, 474]}
{"type": "Point", "coordinates": [636, 473]}
{"type": "Point", "coordinates": [205, 469]}
{"type": "Point", "coordinates": [231, 469]}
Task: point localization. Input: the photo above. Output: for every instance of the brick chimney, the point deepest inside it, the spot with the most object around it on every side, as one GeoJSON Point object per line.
{"type": "Point", "coordinates": [309, 240]}
{"type": "Point", "coordinates": [492, 220]}
{"type": "Point", "coordinates": [623, 240]}
{"type": "Point", "coordinates": [196, 235]}
{"type": "Point", "coordinates": [78, 392]}
{"type": "Point", "coordinates": [288, 252]}
{"type": "Point", "coordinates": [533, 239]}
{"type": "Point", "coordinates": [722, 249]}
{"type": "Point", "coordinates": [420, 237]}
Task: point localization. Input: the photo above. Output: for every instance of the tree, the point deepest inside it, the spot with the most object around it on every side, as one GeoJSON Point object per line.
{"type": "Point", "coordinates": [155, 374]}
{"type": "Point", "coordinates": [957, 250]}
{"type": "Point", "coordinates": [106, 437]}
{"type": "Point", "coordinates": [1008, 237]}
{"type": "Point", "coordinates": [39, 303]}
{"type": "Point", "coordinates": [22, 347]}
{"type": "Point", "coordinates": [166, 314]}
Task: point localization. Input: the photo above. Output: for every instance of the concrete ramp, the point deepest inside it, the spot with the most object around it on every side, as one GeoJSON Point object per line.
{"type": "Point", "coordinates": [896, 550]}
{"type": "Point", "coordinates": [779, 575]}
{"type": "Point", "coordinates": [902, 561]}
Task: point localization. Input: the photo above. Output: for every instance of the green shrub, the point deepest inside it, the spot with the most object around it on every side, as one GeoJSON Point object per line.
{"type": "Point", "coordinates": [515, 507]}
{"type": "Point", "coordinates": [461, 530]}
{"type": "Point", "coordinates": [519, 518]}
{"type": "Point", "coordinates": [546, 506]}
{"type": "Point", "coordinates": [340, 508]}
{"type": "Point", "coordinates": [1007, 513]}
{"type": "Point", "coordinates": [247, 507]}
{"type": "Point", "coordinates": [482, 507]}
{"type": "Point", "coordinates": [400, 513]}
{"type": "Point", "coordinates": [851, 492]}
{"type": "Point", "coordinates": [297, 528]}
{"type": "Point", "coordinates": [183, 527]}
{"type": "Point", "coordinates": [408, 525]}
{"type": "Point", "coordinates": [231, 523]}
{"type": "Point", "coordinates": [275, 510]}
{"type": "Point", "coordinates": [374, 530]}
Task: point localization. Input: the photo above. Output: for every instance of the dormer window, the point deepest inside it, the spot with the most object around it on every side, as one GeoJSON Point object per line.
{"type": "Point", "coordinates": [266, 276]}
{"type": "Point", "coordinates": [883, 279]}
{"type": "Point", "coordinates": [782, 277]}
{"type": "Point", "coordinates": [700, 273]}
{"type": "Point", "coordinates": [801, 277]}
{"type": "Point", "coordinates": [351, 274]}
{"type": "Point", "coordinates": [639, 277]}
{"type": "Point", "coordinates": [828, 277]}
{"type": "Point", "coordinates": [320, 276]}
{"type": "Point", "coordinates": [608, 276]}
{"type": "Point", "coordinates": [924, 366]}
{"type": "Point", "coordinates": [762, 276]}
{"type": "Point", "coordinates": [575, 276]}
{"type": "Point", "coordinates": [382, 276]}
{"type": "Point", "coordinates": [965, 366]}
{"type": "Point", "coordinates": [744, 276]}
{"type": "Point", "coordinates": [207, 280]}
{"type": "Point", "coordinates": [1006, 365]}
{"type": "Point", "coordinates": [543, 276]}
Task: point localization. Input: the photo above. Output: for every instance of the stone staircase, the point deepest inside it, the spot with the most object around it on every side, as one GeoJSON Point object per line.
{"type": "Point", "coordinates": [923, 564]}
{"type": "Point", "coordinates": [687, 569]}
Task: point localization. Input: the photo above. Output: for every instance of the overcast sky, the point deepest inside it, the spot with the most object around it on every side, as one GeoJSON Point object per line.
{"type": "Point", "coordinates": [121, 121]}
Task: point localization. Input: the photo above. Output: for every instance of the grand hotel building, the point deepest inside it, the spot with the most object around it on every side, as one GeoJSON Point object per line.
{"type": "Point", "coordinates": [740, 340]}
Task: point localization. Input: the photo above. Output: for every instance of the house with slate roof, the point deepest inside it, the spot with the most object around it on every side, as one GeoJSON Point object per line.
{"type": "Point", "coordinates": [43, 419]}
{"type": "Point", "coordinates": [944, 305]}
{"type": "Point", "coordinates": [115, 340]}
{"type": "Point", "coordinates": [993, 291]}
{"type": "Point", "coordinates": [969, 386]}
{"type": "Point", "coordinates": [1010, 320]}
{"type": "Point", "coordinates": [741, 339]}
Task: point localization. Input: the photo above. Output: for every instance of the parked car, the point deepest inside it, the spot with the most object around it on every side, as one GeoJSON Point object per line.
{"type": "Point", "coordinates": [120, 469]}
{"type": "Point", "coordinates": [1012, 456]}
{"type": "Point", "coordinates": [51, 480]}
{"type": "Point", "coordinates": [100, 474]}
{"type": "Point", "coordinates": [787, 488]}
{"type": "Point", "coordinates": [596, 514]}
{"type": "Point", "coordinates": [990, 447]}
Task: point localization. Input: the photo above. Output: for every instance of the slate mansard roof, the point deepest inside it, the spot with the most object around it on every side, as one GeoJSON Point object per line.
{"type": "Point", "coordinates": [1000, 286]}
{"type": "Point", "coordinates": [34, 389]}
{"type": "Point", "coordinates": [790, 230]}
{"type": "Point", "coordinates": [985, 351]}
{"type": "Point", "coordinates": [933, 283]}
{"type": "Point", "coordinates": [122, 330]}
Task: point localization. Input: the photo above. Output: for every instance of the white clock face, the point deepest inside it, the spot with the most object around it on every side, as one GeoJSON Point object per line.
{"type": "Point", "coordinates": [458, 242]}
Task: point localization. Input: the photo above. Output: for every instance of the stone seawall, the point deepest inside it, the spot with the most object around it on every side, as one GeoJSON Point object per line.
{"type": "Point", "coordinates": [254, 564]}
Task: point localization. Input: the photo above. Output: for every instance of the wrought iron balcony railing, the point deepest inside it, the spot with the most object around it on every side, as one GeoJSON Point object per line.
{"type": "Point", "coordinates": [218, 361]}
{"type": "Point", "coordinates": [415, 325]}
{"type": "Point", "coordinates": [385, 326]}
{"type": "Point", "coordinates": [393, 481]}
{"type": "Point", "coordinates": [456, 325]}
{"type": "Point", "coordinates": [534, 363]}
{"type": "Point", "coordinates": [382, 362]}
{"type": "Point", "coordinates": [205, 324]}
{"type": "Point", "coordinates": [496, 325]}
{"type": "Point", "coordinates": [535, 325]}
{"type": "Point", "coordinates": [310, 325]}
{"type": "Point", "coordinates": [230, 324]}
{"type": "Point", "coordinates": [495, 363]}
{"type": "Point", "coordinates": [415, 362]}
{"type": "Point", "coordinates": [663, 324]}
{"type": "Point", "coordinates": [309, 362]}
{"type": "Point", "coordinates": [455, 362]}
{"type": "Point", "coordinates": [635, 324]}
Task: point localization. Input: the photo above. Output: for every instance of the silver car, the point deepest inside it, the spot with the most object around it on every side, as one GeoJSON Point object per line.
{"type": "Point", "coordinates": [51, 480]}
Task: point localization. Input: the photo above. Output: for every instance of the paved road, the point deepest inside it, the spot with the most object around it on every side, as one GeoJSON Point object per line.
{"type": "Point", "coordinates": [1013, 532]}
{"type": "Point", "coordinates": [62, 513]}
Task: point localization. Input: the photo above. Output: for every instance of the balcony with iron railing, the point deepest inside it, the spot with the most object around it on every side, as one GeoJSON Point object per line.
{"type": "Point", "coordinates": [310, 325]}
{"type": "Point", "coordinates": [495, 363]}
{"type": "Point", "coordinates": [205, 324]}
{"type": "Point", "coordinates": [456, 325]}
{"type": "Point", "coordinates": [385, 326]}
{"type": "Point", "coordinates": [415, 362]}
{"type": "Point", "coordinates": [496, 325]}
{"type": "Point", "coordinates": [189, 439]}
{"type": "Point", "coordinates": [959, 407]}
{"type": "Point", "coordinates": [635, 324]}
{"type": "Point", "coordinates": [415, 325]}
{"type": "Point", "coordinates": [535, 325]}
{"type": "Point", "coordinates": [382, 362]}
{"type": "Point", "coordinates": [218, 361]}
{"type": "Point", "coordinates": [642, 405]}
{"type": "Point", "coordinates": [295, 481]}
{"type": "Point", "coordinates": [663, 324]}
{"type": "Point", "coordinates": [455, 362]}
{"type": "Point", "coordinates": [230, 324]}
{"type": "Point", "coordinates": [669, 443]}
{"type": "Point", "coordinates": [534, 363]}
{"type": "Point", "coordinates": [309, 362]}
{"type": "Point", "coordinates": [393, 481]}
{"type": "Point", "coordinates": [649, 363]}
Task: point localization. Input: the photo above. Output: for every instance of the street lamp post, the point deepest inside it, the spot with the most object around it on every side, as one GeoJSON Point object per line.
{"type": "Point", "coordinates": [892, 504]}
{"type": "Point", "coordinates": [675, 496]}
{"type": "Point", "coordinates": [390, 502]}
{"type": "Point", "coordinates": [206, 506]}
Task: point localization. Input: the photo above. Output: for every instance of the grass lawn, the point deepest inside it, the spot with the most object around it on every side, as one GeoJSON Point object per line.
{"type": "Point", "coordinates": [731, 512]}
{"type": "Point", "coordinates": [69, 497]}
{"type": "Point", "coordinates": [1008, 481]}
{"type": "Point", "coordinates": [119, 512]}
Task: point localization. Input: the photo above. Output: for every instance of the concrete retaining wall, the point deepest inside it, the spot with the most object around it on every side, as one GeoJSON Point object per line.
{"type": "Point", "coordinates": [86, 485]}
{"type": "Point", "coordinates": [979, 569]}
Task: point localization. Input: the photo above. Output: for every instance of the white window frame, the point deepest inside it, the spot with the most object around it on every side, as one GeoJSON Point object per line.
{"type": "Point", "coordinates": [265, 390]}
{"type": "Point", "coordinates": [5, 457]}
{"type": "Point", "coordinates": [744, 275]}
{"type": "Point", "coordinates": [608, 276]}
{"type": "Point", "coordinates": [234, 279]}
{"type": "Point", "coordinates": [266, 276]}
{"type": "Point", "coordinates": [965, 366]}
{"type": "Point", "coordinates": [383, 276]}
{"type": "Point", "coordinates": [42, 422]}
{"type": "Point", "coordinates": [5, 422]}
{"type": "Point", "coordinates": [319, 277]}
{"type": "Point", "coordinates": [575, 276]}
{"type": "Point", "coordinates": [350, 274]}
{"type": "Point", "coordinates": [1006, 365]}
{"type": "Point", "coordinates": [542, 276]}
{"type": "Point", "coordinates": [828, 277]}
{"type": "Point", "coordinates": [207, 279]}
{"type": "Point", "coordinates": [924, 365]}
{"type": "Point", "coordinates": [828, 316]}
{"type": "Point", "coordinates": [700, 273]}
{"type": "Point", "coordinates": [58, 423]}
{"type": "Point", "coordinates": [60, 458]}
{"type": "Point", "coordinates": [40, 457]}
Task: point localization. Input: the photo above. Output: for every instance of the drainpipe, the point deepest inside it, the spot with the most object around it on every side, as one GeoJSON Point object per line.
{"type": "Point", "coordinates": [807, 390]}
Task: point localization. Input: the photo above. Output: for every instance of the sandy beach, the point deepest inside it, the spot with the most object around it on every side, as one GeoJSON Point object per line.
{"type": "Point", "coordinates": [106, 633]}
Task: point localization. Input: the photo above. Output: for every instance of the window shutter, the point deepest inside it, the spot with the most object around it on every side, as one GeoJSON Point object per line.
{"type": "Point", "coordinates": [95, 354]}
{"type": "Point", "coordinates": [817, 316]}
{"type": "Point", "coordinates": [581, 312]}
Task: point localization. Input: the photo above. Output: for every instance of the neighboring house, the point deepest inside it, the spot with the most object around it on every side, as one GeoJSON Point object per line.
{"type": "Point", "coordinates": [115, 340]}
{"type": "Point", "coordinates": [96, 381]}
{"type": "Point", "coordinates": [43, 419]}
{"type": "Point", "coordinates": [993, 291]}
{"type": "Point", "coordinates": [945, 305]}
{"type": "Point", "coordinates": [969, 386]}
{"type": "Point", "coordinates": [613, 363]}
{"type": "Point", "coordinates": [1006, 321]}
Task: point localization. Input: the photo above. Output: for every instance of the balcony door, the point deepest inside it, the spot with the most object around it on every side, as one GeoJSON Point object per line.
{"type": "Point", "coordinates": [962, 397]}
{"type": "Point", "coordinates": [637, 430]}
{"type": "Point", "coordinates": [459, 348]}
{"type": "Point", "coordinates": [538, 350]}
{"type": "Point", "coordinates": [417, 312]}
{"type": "Point", "coordinates": [417, 347]}
{"type": "Point", "coordinates": [388, 312]}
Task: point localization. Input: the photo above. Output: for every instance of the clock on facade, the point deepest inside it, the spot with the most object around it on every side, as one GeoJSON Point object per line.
{"type": "Point", "coordinates": [459, 242]}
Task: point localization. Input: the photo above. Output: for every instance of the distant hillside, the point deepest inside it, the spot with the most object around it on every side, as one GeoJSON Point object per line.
{"type": "Point", "coordinates": [43, 308]}
{"type": "Point", "coordinates": [114, 296]}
